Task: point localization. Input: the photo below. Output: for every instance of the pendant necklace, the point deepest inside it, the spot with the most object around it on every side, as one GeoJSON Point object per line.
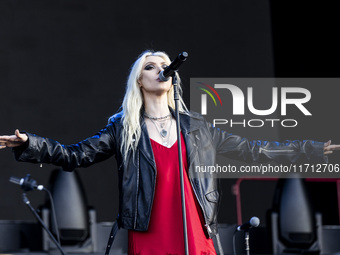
{"type": "Point", "coordinates": [162, 121]}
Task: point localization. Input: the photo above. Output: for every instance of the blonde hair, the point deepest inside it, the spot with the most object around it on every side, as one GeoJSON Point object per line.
{"type": "Point", "coordinates": [133, 103]}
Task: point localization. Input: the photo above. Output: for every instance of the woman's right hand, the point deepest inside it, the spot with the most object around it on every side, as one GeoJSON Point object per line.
{"type": "Point", "coordinates": [11, 141]}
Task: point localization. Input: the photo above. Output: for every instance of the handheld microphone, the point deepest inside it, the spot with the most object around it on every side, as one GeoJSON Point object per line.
{"type": "Point", "coordinates": [26, 183]}
{"type": "Point", "coordinates": [173, 67]}
{"type": "Point", "coordinates": [253, 222]}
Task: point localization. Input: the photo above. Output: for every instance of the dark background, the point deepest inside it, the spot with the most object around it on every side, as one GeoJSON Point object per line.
{"type": "Point", "coordinates": [63, 67]}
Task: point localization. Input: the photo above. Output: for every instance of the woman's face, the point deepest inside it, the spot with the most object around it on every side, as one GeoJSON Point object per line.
{"type": "Point", "coordinates": [149, 80]}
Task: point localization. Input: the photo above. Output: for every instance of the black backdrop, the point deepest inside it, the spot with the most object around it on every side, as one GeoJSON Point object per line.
{"type": "Point", "coordinates": [63, 65]}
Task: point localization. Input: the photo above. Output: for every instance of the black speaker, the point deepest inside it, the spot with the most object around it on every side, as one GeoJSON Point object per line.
{"type": "Point", "coordinates": [70, 206]}
{"type": "Point", "coordinates": [296, 217]}
{"type": "Point", "coordinates": [295, 226]}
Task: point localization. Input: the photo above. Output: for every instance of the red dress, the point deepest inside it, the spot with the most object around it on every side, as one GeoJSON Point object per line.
{"type": "Point", "coordinates": [165, 232]}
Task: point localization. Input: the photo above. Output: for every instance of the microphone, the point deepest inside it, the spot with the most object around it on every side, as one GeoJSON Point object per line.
{"type": "Point", "coordinates": [173, 67]}
{"type": "Point", "coordinates": [26, 183]}
{"type": "Point", "coordinates": [253, 222]}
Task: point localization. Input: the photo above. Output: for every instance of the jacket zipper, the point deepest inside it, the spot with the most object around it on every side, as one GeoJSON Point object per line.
{"type": "Point", "coordinates": [154, 189]}
{"type": "Point", "coordinates": [208, 228]}
{"type": "Point", "coordinates": [136, 211]}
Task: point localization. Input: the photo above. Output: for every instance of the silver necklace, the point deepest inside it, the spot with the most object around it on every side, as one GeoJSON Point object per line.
{"type": "Point", "coordinates": [156, 118]}
{"type": "Point", "coordinates": [165, 135]}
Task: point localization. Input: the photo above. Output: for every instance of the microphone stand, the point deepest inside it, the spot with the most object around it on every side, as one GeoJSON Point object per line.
{"type": "Point", "coordinates": [176, 97]}
{"type": "Point", "coordinates": [246, 237]}
{"type": "Point", "coordinates": [28, 203]}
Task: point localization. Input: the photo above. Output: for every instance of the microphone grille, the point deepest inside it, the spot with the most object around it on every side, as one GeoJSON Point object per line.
{"type": "Point", "coordinates": [183, 56]}
{"type": "Point", "coordinates": [254, 221]}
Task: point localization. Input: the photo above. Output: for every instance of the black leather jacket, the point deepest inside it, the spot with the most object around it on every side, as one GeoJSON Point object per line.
{"type": "Point", "coordinates": [137, 177]}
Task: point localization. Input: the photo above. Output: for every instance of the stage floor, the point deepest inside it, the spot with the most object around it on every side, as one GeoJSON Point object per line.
{"type": "Point", "coordinates": [27, 238]}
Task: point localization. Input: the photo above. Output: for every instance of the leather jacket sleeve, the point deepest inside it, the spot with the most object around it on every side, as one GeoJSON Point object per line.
{"type": "Point", "coordinates": [289, 151]}
{"type": "Point", "coordinates": [85, 153]}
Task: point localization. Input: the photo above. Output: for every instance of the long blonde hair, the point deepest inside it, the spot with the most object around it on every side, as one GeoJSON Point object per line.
{"type": "Point", "coordinates": [133, 103]}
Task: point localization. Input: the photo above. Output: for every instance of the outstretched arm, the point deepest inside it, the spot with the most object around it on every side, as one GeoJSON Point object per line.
{"type": "Point", "coordinates": [240, 148]}
{"type": "Point", "coordinates": [10, 141]}
{"type": "Point", "coordinates": [37, 149]}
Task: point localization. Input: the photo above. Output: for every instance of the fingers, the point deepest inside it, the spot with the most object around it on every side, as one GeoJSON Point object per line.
{"type": "Point", "coordinates": [2, 145]}
{"type": "Point", "coordinates": [5, 138]}
{"type": "Point", "coordinates": [9, 141]}
{"type": "Point", "coordinates": [3, 141]}
{"type": "Point", "coordinates": [22, 137]}
{"type": "Point", "coordinates": [328, 148]}
{"type": "Point", "coordinates": [333, 147]}
{"type": "Point", "coordinates": [17, 133]}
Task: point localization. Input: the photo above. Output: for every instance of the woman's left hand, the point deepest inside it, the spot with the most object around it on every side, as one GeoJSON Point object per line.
{"type": "Point", "coordinates": [328, 148]}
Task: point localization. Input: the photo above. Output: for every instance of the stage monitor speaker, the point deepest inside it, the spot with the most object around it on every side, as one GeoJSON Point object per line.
{"type": "Point", "coordinates": [70, 206]}
{"type": "Point", "coordinates": [295, 226]}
